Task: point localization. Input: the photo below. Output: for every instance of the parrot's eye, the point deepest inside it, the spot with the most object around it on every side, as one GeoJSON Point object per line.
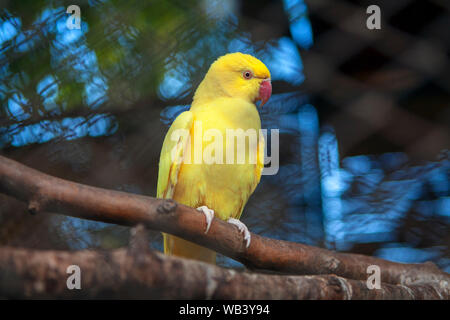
{"type": "Point", "coordinates": [247, 74]}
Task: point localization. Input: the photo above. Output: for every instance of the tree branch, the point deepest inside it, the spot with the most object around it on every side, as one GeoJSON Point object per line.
{"type": "Point", "coordinates": [46, 193]}
{"type": "Point", "coordinates": [137, 272]}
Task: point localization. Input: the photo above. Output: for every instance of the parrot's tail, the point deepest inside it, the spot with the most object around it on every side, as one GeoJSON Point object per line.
{"type": "Point", "coordinates": [179, 247]}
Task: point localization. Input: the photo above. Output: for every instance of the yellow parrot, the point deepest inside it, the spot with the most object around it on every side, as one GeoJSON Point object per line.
{"type": "Point", "coordinates": [224, 100]}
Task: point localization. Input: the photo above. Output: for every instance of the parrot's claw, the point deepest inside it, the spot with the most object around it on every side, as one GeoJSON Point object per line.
{"type": "Point", "coordinates": [209, 215]}
{"type": "Point", "coordinates": [242, 229]}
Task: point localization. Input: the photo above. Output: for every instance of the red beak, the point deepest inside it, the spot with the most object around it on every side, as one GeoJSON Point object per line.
{"type": "Point", "coordinates": [265, 91]}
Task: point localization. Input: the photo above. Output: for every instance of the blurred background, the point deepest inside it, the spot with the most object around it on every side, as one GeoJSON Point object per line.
{"type": "Point", "coordinates": [364, 115]}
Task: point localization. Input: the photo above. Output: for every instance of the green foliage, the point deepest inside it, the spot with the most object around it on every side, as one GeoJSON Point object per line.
{"type": "Point", "coordinates": [120, 56]}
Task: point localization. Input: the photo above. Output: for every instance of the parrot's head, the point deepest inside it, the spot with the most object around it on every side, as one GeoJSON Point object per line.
{"type": "Point", "coordinates": [237, 75]}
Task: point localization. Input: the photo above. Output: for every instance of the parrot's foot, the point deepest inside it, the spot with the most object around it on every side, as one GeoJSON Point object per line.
{"type": "Point", "coordinates": [209, 215]}
{"type": "Point", "coordinates": [243, 229]}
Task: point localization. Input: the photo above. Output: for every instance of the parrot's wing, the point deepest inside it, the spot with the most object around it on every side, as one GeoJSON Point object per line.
{"type": "Point", "coordinates": [174, 146]}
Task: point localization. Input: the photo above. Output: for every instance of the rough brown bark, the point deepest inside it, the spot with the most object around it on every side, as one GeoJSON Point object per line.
{"type": "Point", "coordinates": [136, 272]}
{"type": "Point", "coordinates": [46, 193]}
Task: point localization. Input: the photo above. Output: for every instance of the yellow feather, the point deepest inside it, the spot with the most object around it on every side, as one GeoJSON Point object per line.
{"type": "Point", "coordinates": [224, 100]}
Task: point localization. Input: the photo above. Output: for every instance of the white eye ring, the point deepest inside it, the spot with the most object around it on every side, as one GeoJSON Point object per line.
{"type": "Point", "coordinates": [247, 74]}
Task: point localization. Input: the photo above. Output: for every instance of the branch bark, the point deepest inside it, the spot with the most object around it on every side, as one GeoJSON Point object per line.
{"type": "Point", "coordinates": [45, 193]}
{"type": "Point", "coordinates": [136, 272]}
